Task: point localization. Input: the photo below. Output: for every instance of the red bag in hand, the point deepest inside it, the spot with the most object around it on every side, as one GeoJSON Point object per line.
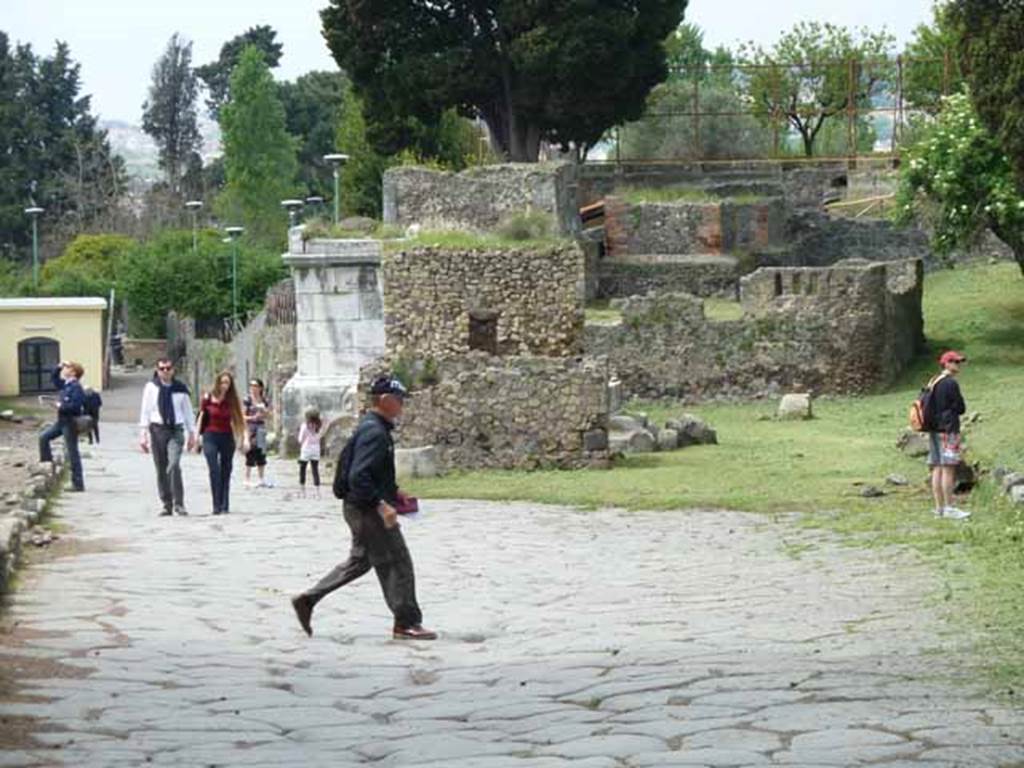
{"type": "Point", "coordinates": [407, 505]}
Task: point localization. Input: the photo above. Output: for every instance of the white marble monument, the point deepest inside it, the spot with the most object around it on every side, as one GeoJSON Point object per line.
{"type": "Point", "coordinates": [339, 328]}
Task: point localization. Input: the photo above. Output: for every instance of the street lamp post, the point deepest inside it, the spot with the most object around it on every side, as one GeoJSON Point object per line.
{"type": "Point", "coordinates": [293, 207]}
{"type": "Point", "coordinates": [317, 203]}
{"type": "Point", "coordinates": [336, 160]}
{"type": "Point", "coordinates": [234, 233]}
{"type": "Point", "coordinates": [34, 212]}
{"type": "Point", "coordinates": [194, 206]}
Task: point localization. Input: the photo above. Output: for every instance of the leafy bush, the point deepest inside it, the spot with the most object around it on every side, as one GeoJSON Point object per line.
{"type": "Point", "coordinates": [164, 275]}
{"type": "Point", "coordinates": [88, 266]}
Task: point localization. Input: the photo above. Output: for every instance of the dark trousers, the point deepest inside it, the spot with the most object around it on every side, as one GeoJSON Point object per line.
{"type": "Point", "coordinates": [384, 550]}
{"type": "Point", "coordinates": [219, 450]}
{"type": "Point", "coordinates": [65, 427]}
{"type": "Point", "coordinates": [315, 466]}
{"type": "Point", "coordinates": [167, 445]}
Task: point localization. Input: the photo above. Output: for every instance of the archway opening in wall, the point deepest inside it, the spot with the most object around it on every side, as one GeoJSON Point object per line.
{"type": "Point", "coordinates": [37, 357]}
{"type": "Point", "coordinates": [483, 330]}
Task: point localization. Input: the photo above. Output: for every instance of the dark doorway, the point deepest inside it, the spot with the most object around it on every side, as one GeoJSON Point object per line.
{"type": "Point", "coordinates": [36, 360]}
{"type": "Point", "coordinates": [483, 331]}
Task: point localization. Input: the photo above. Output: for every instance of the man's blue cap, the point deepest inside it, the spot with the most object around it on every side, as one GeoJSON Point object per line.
{"type": "Point", "coordinates": [388, 385]}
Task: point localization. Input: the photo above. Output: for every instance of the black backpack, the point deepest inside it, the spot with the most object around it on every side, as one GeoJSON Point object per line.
{"type": "Point", "coordinates": [344, 467]}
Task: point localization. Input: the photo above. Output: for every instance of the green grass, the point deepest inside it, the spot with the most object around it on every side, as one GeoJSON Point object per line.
{"type": "Point", "coordinates": [814, 467]}
{"type": "Point", "coordinates": [640, 195]}
{"type": "Point", "coordinates": [721, 310]}
{"type": "Point", "coordinates": [456, 240]}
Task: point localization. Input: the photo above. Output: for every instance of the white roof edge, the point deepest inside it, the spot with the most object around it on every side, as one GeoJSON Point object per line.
{"type": "Point", "coordinates": [55, 302]}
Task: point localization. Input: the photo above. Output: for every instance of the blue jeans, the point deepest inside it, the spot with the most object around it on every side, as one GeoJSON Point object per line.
{"type": "Point", "coordinates": [219, 450]}
{"type": "Point", "coordinates": [65, 427]}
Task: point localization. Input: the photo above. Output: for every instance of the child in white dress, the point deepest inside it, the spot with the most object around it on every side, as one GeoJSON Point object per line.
{"type": "Point", "coordinates": [310, 434]}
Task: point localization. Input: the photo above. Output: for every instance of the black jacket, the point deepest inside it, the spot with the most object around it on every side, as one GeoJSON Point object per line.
{"type": "Point", "coordinates": [71, 398]}
{"type": "Point", "coordinates": [371, 478]}
{"type": "Point", "coordinates": [947, 405]}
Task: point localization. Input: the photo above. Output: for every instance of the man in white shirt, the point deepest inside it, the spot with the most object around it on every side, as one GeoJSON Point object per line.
{"type": "Point", "coordinates": [165, 420]}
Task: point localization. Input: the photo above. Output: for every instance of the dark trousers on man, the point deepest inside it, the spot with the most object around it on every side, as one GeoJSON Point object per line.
{"type": "Point", "coordinates": [167, 445]}
{"type": "Point", "coordinates": [66, 427]}
{"type": "Point", "coordinates": [384, 550]}
{"type": "Point", "coordinates": [219, 450]}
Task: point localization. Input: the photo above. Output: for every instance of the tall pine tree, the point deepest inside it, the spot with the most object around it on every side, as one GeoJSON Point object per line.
{"type": "Point", "coordinates": [169, 114]}
{"type": "Point", "coordinates": [259, 155]}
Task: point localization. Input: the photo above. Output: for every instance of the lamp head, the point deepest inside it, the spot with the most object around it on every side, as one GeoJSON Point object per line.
{"type": "Point", "coordinates": [292, 205]}
{"type": "Point", "coordinates": [194, 205]}
{"type": "Point", "coordinates": [336, 159]}
{"type": "Point", "coordinates": [35, 210]}
{"type": "Point", "coordinates": [234, 232]}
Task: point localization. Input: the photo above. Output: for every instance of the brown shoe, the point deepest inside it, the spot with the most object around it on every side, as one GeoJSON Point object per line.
{"type": "Point", "coordinates": [304, 612]}
{"type": "Point", "coordinates": [414, 633]}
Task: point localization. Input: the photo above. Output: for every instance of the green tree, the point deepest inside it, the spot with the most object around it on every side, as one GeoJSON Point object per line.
{"type": "Point", "coordinates": [52, 152]}
{"type": "Point", "coordinates": [931, 69]}
{"type": "Point", "coordinates": [699, 112]}
{"type": "Point", "coordinates": [816, 73]}
{"type": "Point", "coordinates": [88, 266]}
{"type": "Point", "coordinates": [313, 109]}
{"type": "Point", "coordinates": [150, 277]}
{"type": "Point", "coordinates": [958, 180]}
{"type": "Point", "coordinates": [259, 155]}
{"type": "Point", "coordinates": [361, 176]}
{"type": "Point", "coordinates": [991, 34]}
{"type": "Point", "coordinates": [562, 71]}
{"type": "Point", "coordinates": [169, 114]}
{"type": "Point", "coordinates": [216, 75]}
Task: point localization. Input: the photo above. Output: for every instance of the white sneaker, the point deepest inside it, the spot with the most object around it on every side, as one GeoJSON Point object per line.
{"type": "Point", "coordinates": [955, 513]}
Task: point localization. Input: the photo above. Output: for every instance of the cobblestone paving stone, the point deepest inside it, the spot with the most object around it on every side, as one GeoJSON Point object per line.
{"type": "Point", "coordinates": [584, 639]}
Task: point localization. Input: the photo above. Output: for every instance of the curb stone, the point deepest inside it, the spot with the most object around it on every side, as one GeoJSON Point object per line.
{"type": "Point", "coordinates": [16, 521]}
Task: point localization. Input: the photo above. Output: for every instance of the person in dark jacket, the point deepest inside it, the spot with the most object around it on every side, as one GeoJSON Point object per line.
{"type": "Point", "coordinates": [944, 455]}
{"type": "Point", "coordinates": [369, 508]}
{"type": "Point", "coordinates": [66, 379]}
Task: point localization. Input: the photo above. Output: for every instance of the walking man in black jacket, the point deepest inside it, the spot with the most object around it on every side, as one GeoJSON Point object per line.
{"type": "Point", "coordinates": [944, 443]}
{"type": "Point", "coordinates": [370, 496]}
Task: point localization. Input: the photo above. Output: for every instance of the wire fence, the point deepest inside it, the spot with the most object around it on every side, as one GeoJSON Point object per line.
{"type": "Point", "coordinates": [804, 111]}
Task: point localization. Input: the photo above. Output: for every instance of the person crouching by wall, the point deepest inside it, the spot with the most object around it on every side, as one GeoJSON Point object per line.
{"type": "Point", "coordinates": [222, 427]}
{"type": "Point", "coordinates": [66, 379]}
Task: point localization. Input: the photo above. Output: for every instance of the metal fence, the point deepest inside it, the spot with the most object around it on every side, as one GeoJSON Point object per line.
{"type": "Point", "coordinates": [804, 111]}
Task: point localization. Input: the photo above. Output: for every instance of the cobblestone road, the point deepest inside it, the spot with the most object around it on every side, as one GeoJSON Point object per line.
{"type": "Point", "coordinates": [569, 639]}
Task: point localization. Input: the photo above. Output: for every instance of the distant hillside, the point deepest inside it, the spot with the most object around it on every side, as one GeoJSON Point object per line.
{"type": "Point", "coordinates": [140, 153]}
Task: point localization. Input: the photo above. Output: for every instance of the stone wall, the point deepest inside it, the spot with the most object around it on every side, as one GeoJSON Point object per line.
{"type": "Point", "coordinates": [144, 352]}
{"type": "Point", "coordinates": [819, 240]}
{"type": "Point", "coordinates": [637, 275]}
{"type": "Point", "coordinates": [513, 413]}
{"type": "Point", "coordinates": [534, 296]}
{"type": "Point", "coordinates": [479, 199]}
{"type": "Point", "coordinates": [845, 329]}
{"type": "Point", "coordinates": [724, 226]}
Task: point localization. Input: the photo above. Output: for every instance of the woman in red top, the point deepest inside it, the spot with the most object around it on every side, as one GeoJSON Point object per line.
{"type": "Point", "coordinates": [222, 426]}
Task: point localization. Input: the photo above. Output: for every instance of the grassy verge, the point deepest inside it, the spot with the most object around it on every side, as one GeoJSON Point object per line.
{"type": "Point", "coordinates": [455, 240]}
{"type": "Point", "coordinates": [640, 195]}
{"type": "Point", "coordinates": [815, 467]}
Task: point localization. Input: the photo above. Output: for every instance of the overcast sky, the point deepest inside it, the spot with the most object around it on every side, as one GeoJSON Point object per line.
{"type": "Point", "coordinates": [117, 41]}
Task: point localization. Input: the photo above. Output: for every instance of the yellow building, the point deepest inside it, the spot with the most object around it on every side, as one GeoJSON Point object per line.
{"type": "Point", "coordinates": [36, 334]}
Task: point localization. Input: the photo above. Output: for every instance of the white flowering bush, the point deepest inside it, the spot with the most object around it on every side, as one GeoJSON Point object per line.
{"type": "Point", "coordinates": [957, 179]}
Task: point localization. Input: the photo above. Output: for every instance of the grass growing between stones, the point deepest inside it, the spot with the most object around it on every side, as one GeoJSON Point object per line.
{"type": "Point", "coordinates": [816, 467]}
{"type": "Point", "coordinates": [456, 240]}
{"type": "Point", "coordinates": [641, 195]}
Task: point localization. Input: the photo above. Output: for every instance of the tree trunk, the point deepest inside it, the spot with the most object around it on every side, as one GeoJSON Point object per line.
{"type": "Point", "coordinates": [516, 140]}
{"type": "Point", "coordinates": [1015, 240]}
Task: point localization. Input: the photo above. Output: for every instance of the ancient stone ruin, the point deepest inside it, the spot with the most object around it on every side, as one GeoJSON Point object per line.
{"type": "Point", "coordinates": [738, 286]}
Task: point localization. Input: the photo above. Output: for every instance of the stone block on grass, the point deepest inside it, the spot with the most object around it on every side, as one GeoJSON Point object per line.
{"type": "Point", "coordinates": [668, 439]}
{"type": "Point", "coordinates": [416, 462]}
{"type": "Point", "coordinates": [795, 407]}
